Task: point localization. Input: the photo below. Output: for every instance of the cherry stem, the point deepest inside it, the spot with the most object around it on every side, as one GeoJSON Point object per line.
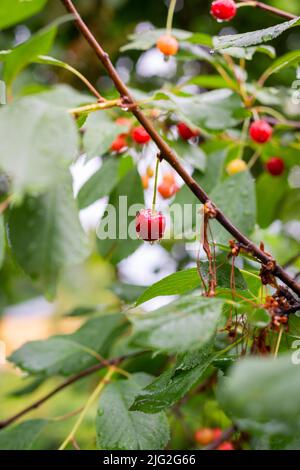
{"type": "Point", "coordinates": [278, 342]}
{"type": "Point", "coordinates": [244, 137]}
{"type": "Point", "coordinates": [171, 11]}
{"type": "Point", "coordinates": [155, 185]}
{"type": "Point", "coordinates": [270, 9]}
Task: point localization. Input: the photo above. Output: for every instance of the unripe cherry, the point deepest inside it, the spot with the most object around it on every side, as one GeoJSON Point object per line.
{"type": "Point", "coordinates": [150, 225]}
{"type": "Point", "coordinates": [150, 172]}
{"type": "Point", "coordinates": [145, 181]}
{"type": "Point", "coordinates": [123, 121]}
{"type": "Point", "coordinates": [119, 144]}
{"type": "Point", "coordinates": [223, 10]}
{"type": "Point", "coordinates": [140, 135]}
{"type": "Point", "coordinates": [167, 44]}
{"type": "Point", "coordinates": [236, 166]}
{"type": "Point", "coordinates": [186, 132]}
{"type": "Point", "coordinates": [275, 166]}
{"type": "Point", "coordinates": [204, 436]}
{"type": "Point", "coordinates": [261, 131]}
{"type": "Point", "coordinates": [226, 445]}
{"type": "Point", "coordinates": [167, 190]}
{"type": "Point", "coordinates": [169, 178]}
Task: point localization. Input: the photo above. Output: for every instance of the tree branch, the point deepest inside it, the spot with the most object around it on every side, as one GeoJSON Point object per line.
{"type": "Point", "coordinates": [74, 378]}
{"type": "Point", "coordinates": [168, 154]}
{"type": "Point", "coordinates": [270, 9]}
{"type": "Point", "coordinates": [226, 435]}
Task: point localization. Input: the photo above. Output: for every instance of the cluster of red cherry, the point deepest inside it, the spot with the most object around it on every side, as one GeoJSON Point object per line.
{"type": "Point", "coordinates": [260, 132]}
{"type": "Point", "coordinates": [206, 436]}
{"type": "Point", "coordinates": [150, 224]}
{"type": "Point", "coordinates": [138, 134]}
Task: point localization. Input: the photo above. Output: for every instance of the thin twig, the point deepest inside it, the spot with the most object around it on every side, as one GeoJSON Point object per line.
{"type": "Point", "coordinates": [226, 435]}
{"type": "Point", "coordinates": [74, 378]}
{"type": "Point", "coordinates": [270, 9]}
{"type": "Point", "coordinates": [291, 261]}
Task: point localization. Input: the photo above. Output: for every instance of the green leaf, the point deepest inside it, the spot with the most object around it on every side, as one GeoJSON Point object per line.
{"type": "Point", "coordinates": [127, 292]}
{"type": "Point", "coordinates": [174, 383]}
{"type": "Point", "coordinates": [189, 279]}
{"type": "Point", "coordinates": [254, 37]}
{"type": "Point", "coordinates": [287, 60]}
{"type": "Point", "coordinates": [46, 235]}
{"type": "Point", "coordinates": [2, 240]}
{"type": "Point", "coordinates": [248, 53]}
{"type": "Point", "coordinates": [37, 141]}
{"type": "Point", "coordinates": [147, 39]}
{"type": "Point", "coordinates": [269, 192]}
{"type": "Point", "coordinates": [22, 436]}
{"type": "Point", "coordinates": [15, 11]}
{"type": "Point", "coordinates": [69, 354]}
{"type": "Point", "coordinates": [290, 207]}
{"type": "Point", "coordinates": [100, 132]}
{"type": "Point", "coordinates": [213, 111]}
{"type": "Point", "coordinates": [27, 52]}
{"type": "Point", "coordinates": [116, 233]}
{"type": "Point", "coordinates": [236, 198]}
{"type": "Point", "coordinates": [43, 59]}
{"type": "Point", "coordinates": [121, 429]}
{"type": "Point", "coordinates": [163, 329]}
{"type": "Point", "coordinates": [104, 180]}
{"type": "Point", "coordinates": [29, 387]}
{"type": "Point", "coordinates": [65, 97]}
{"type": "Point", "coordinates": [208, 81]}
{"type": "Point", "coordinates": [258, 317]}
{"type": "Point", "coordinates": [262, 395]}
{"type": "Point", "coordinates": [190, 153]}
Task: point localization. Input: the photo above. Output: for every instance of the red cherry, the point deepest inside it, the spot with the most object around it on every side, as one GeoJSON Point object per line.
{"type": "Point", "coordinates": [185, 132]}
{"type": "Point", "coordinates": [119, 144]}
{"type": "Point", "coordinates": [275, 166]}
{"type": "Point", "coordinates": [167, 190]}
{"type": "Point", "coordinates": [140, 135]}
{"type": "Point", "coordinates": [261, 132]}
{"type": "Point", "coordinates": [226, 445]}
{"type": "Point", "coordinates": [223, 10]}
{"type": "Point", "coordinates": [150, 225]}
{"type": "Point", "coordinates": [217, 433]}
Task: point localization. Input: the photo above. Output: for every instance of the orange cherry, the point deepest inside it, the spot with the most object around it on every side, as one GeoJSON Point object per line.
{"type": "Point", "coordinates": [204, 436]}
{"type": "Point", "coordinates": [168, 45]}
{"type": "Point", "coordinates": [145, 181]}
